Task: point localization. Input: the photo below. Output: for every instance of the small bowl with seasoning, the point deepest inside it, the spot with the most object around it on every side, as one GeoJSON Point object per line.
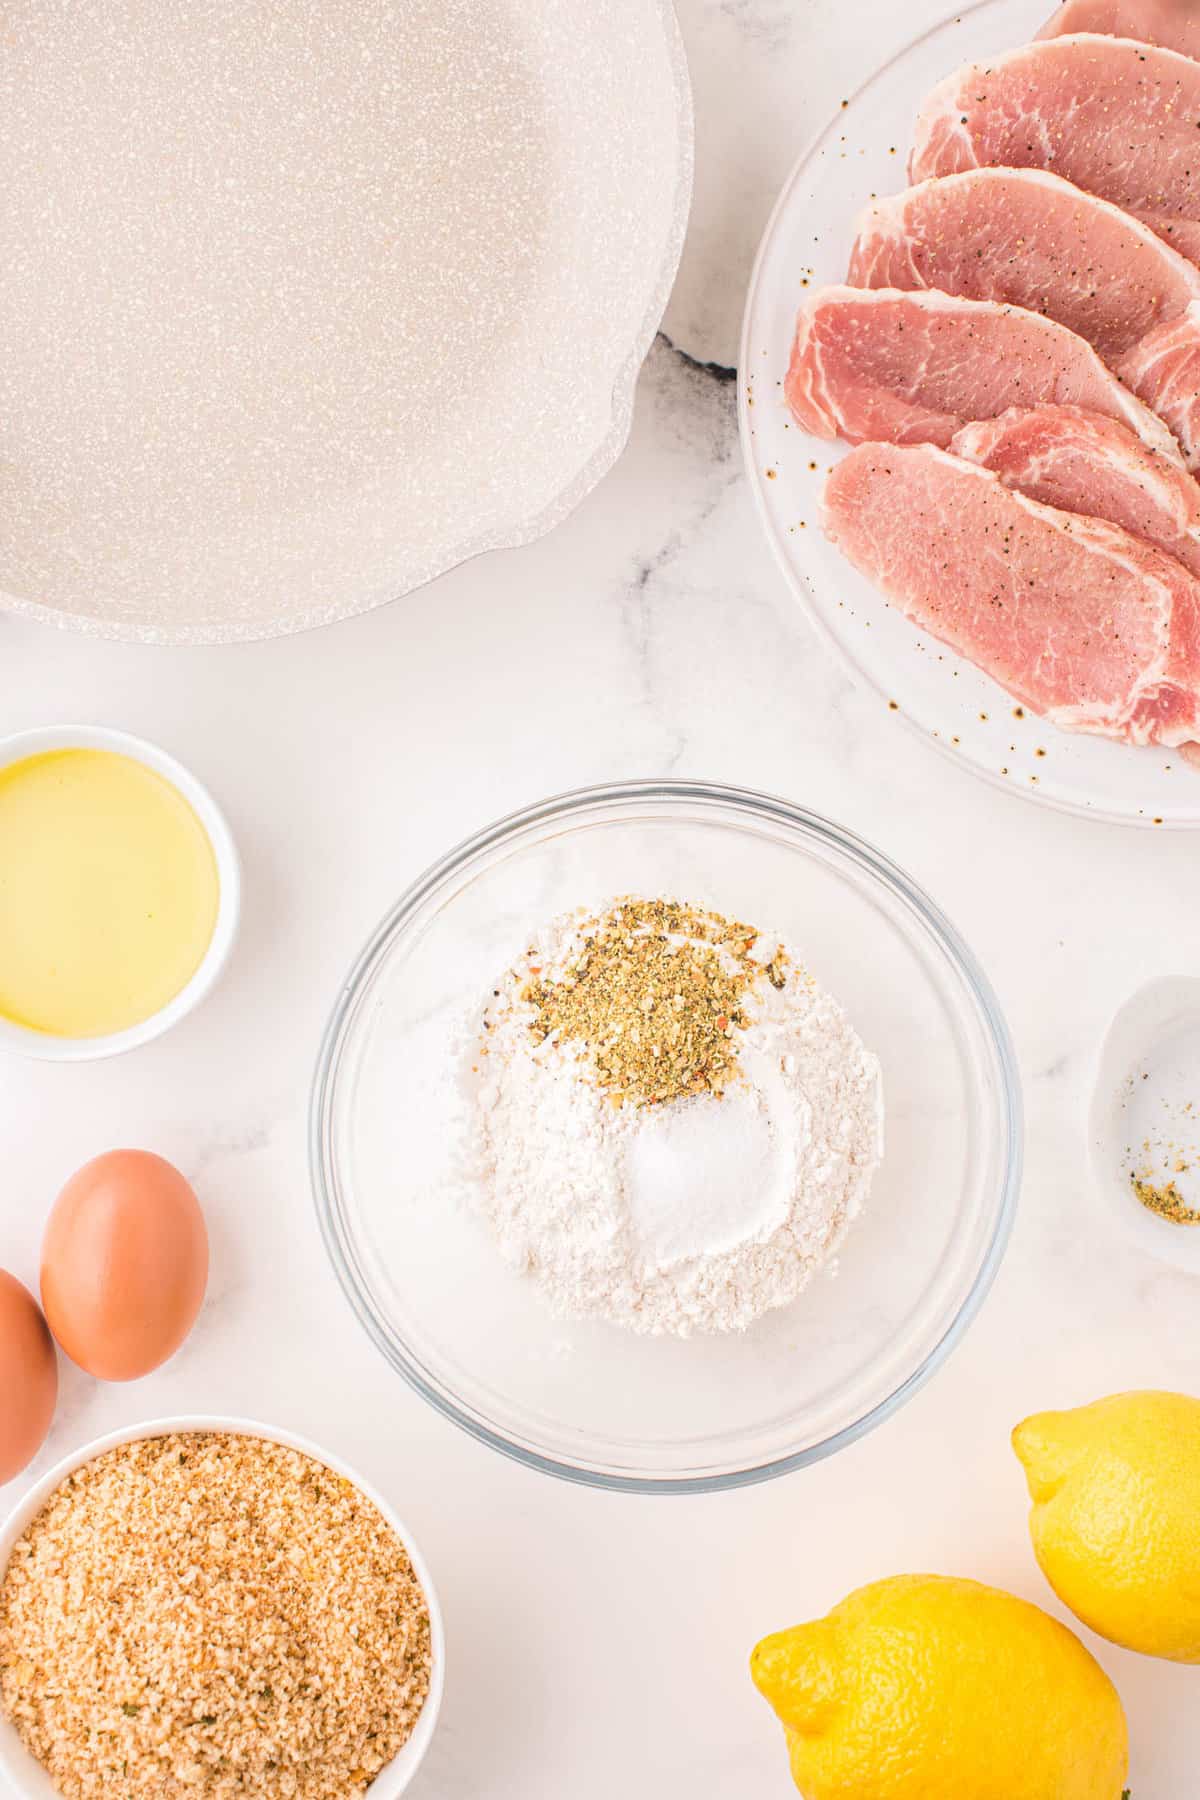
{"type": "Point", "coordinates": [1145, 1120]}
{"type": "Point", "coordinates": [245, 1611]}
{"type": "Point", "coordinates": [120, 892]}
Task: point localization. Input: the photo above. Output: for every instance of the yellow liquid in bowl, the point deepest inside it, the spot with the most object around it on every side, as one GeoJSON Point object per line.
{"type": "Point", "coordinates": [108, 892]}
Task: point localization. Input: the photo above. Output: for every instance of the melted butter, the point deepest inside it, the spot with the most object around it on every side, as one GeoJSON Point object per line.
{"type": "Point", "coordinates": [108, 892]}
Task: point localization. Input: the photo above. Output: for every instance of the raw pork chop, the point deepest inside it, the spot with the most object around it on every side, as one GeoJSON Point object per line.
{"type": "Point", "coordinates": [1164, 369]}
{"type": "Point", "coordinates": [915, 368]}
{"type": "Point", "coordinates": [1172, 24]}
{"type": "Point", "coordinates": [1082, 462]}
{"type": "Point", "coordinates": [1031, 239]}
{"type": "Point", "coordinates": [1119, 118]}
{"type": "Point", "coordinates": [1082, 622]}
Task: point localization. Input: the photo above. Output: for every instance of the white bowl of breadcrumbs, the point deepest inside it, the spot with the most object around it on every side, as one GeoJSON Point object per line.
{"type": "Point", "coordinates": [202, 1608]}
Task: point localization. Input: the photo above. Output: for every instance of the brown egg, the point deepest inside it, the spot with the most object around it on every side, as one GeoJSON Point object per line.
{"type": "Point", "coordinates": [124, 1264]}
{"type": "Point", "coordinates": [28, 1377]}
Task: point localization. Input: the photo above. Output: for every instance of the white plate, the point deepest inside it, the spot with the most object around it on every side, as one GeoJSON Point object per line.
{"type": "Point", "coordinates": [317, 298]}
{"type": "Point", "coordinates": [864, 152]}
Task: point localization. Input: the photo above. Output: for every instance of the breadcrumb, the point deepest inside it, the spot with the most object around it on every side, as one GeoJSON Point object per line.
{"type": "Point", "coordinates": [207, 1614]}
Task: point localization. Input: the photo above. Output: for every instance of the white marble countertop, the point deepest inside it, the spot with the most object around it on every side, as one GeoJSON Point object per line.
{"type": "Point", "coordinates": [598, 1642]}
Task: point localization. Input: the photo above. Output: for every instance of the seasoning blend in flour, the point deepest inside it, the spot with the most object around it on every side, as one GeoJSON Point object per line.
{"type": "Point", "coordinates": [674, 1124]}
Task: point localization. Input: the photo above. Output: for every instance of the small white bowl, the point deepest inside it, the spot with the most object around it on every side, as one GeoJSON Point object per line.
{"type": "Point", "coordinates": [47, 1047]}
{"type": "Point", "coordinates": [27, 1776]}
{"type": "Point", "coordinates": [1147, 1093]}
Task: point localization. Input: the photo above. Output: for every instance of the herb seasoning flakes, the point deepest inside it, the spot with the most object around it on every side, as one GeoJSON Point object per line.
{"type": "Point", "coordinates": [655, 998]}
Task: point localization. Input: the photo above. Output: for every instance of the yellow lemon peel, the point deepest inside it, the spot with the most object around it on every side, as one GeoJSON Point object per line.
{"type": "Point", "coordinates": [1116, 1516]}
{"type": "Point", "coordinates": [928, 1688]}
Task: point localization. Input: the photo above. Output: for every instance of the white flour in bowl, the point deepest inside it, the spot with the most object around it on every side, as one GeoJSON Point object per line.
{"type": "Point", "coordinates": [701, 1212]}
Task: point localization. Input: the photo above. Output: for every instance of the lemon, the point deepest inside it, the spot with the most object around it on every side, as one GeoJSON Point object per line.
{"type": "Point", "coordinates": [1116, 1516]}
{"type": "Point", "coordinates": [925, 1688]}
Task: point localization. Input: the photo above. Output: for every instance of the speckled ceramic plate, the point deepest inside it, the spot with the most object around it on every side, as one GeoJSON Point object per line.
{"type": "Point", "coordinates": [313, 299]}
{"type": "Point", "coordinates": [807, 242]}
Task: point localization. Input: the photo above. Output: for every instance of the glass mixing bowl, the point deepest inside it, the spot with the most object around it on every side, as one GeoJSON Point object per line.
{"type": "Point", "coordinates": [586, 1400]}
